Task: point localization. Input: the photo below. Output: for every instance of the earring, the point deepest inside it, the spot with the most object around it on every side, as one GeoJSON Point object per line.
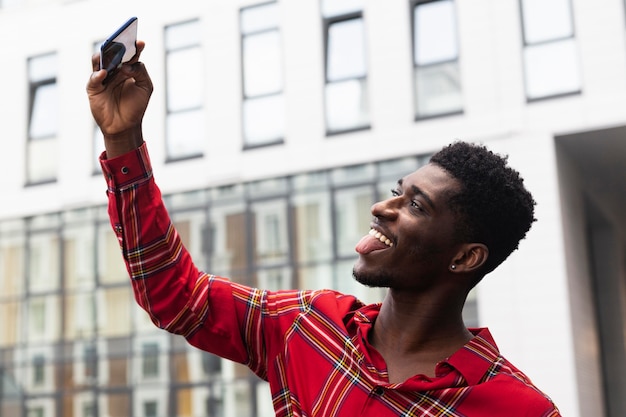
{"type": "Point", "coordinates": [453, 267]}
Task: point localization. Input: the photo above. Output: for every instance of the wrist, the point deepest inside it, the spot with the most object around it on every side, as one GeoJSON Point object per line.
{"type": "Point", "coordinates": [123, 142]}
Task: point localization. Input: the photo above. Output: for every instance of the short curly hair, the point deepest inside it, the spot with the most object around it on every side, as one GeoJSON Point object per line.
{"type": "Point", "coordinates": [493, 206]}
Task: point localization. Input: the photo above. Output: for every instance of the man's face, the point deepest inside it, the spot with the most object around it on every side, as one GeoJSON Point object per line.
{"type": "Point", "coordinates": [412, 238]}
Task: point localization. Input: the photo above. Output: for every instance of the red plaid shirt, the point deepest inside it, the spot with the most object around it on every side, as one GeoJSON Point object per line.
{"type": "Point", "coordinates": [310, 345]}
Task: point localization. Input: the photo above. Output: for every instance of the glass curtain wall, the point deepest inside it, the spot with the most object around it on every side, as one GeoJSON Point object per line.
{"type": "Point", "coordinates": [74, 343]}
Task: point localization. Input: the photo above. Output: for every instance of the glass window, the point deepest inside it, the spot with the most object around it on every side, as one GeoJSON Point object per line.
{"type": "Point", "coordinates": [116, 371]}
{"type": "Point", "coordinates": [10, 330]}
{"type": "Point", "coordinates": [114, 404]}
{"type": "Point", "coordinates": [228, 241]}
{"type": "Point", "coordinates": [12, 266]}
{"type": "Point", "coordinates": [38, 369]}
{"type": "Point", "coordinates": [272, 241]}
{"type": "Point", "coordinates": [346, 95]}
{"type": "Point", "coordinates": [43, 318]}
{"type": "Point", "coordinates": [262, 72]}
{"type": "Point", "coordinates": [437, 79]}
{"type": "Point", "coordinates": [263, 119]}
{"type": "Point", "coordinates": [346, 50]}
{"type": "Point", "coordinates": [185, 130]}
{"type": "Point", "coordinates": [312, 227]}
{"type": "Point", "coordinates": [263, 104]}
{"type": "Point", "coordinates": [192, 228]}
{"type": "Point", "coordinates": [90, 361]}
{"type": "Point", "coordinates": [150, 409]}
{"type": "Point", "coordinates": [353, 217]}
{"type": "Point", "coordinates": [547, 20]}
{"type": "Point", "coordinates": [44, 259]}
{"type": "Point", "coordinates": [79, 256]}
{"type": "Point", "coordinates": [551, 61]}
{"type": "Point", "coordinates": [80, 317]}
{"type": "Point", "coordinates": [111, 267]}
{"type": "Point", "coordinates": [36, 412]}
{"type": "Point", "coordinates": [114, 310]}
{"type": "Point", "coordinates": [89, 410]}
{"type": "Point", "coordinates": [551, 69]}
{"type": "Point", "coordinates": [150, 360]}
{"type": "Point", "coordinates": [43, 121]}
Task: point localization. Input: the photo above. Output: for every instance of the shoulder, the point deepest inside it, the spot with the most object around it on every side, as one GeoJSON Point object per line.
{"type": "Point", "coordinates": [512, 388]}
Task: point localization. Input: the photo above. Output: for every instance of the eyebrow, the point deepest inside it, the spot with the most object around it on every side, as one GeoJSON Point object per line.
{"type": "Point", "coordinates": [418, 191]}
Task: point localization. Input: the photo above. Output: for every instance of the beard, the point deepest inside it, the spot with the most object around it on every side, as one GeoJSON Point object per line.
{"type": "Point", "coordinates": [372, 279]}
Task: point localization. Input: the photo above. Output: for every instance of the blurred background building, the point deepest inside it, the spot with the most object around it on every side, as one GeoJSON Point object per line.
{"type": "Point", "coordinates": [273, 127]}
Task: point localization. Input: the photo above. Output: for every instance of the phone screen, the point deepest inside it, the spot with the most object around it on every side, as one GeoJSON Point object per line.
{"type": "Point", "coordinates": [120, 47]}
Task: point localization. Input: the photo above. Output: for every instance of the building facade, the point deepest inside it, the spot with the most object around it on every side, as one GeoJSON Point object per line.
{"type": "Point", "coordinates": [273, 128]}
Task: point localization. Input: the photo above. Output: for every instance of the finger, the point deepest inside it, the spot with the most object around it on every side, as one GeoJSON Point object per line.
{"type": "Point", "coordinates": [139, 72]}
{"type": "Point", "coordinates": [95, 61]}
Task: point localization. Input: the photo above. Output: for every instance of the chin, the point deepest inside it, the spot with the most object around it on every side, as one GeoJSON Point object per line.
{"type": "Point", "coordinates": [371, 279]}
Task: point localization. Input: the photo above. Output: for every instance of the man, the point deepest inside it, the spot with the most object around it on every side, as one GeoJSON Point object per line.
{"type": "Point", "coordinates": [326, 354]}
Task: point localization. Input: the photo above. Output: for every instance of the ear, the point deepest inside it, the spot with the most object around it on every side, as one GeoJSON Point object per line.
{"type": "Point", "coordinates": [469, 258]}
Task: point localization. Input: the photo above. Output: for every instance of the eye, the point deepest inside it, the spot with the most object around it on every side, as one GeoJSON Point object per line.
{"type": "Point", "coordinates": [416, 205]}
{"type": "Point", "coordinates": [395, 192]}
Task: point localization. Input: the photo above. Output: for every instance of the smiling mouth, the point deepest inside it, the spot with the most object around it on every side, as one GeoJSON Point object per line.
{"type": "Point", "coordinates": [381, 237]}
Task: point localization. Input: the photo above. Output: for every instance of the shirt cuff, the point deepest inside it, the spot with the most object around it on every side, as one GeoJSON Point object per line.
{"type": "Point", "coordinates": [127, 169]}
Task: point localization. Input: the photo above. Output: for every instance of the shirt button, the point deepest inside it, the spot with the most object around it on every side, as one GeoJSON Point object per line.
{"type": "Point", "coordinates": [379, 391]}
{"type": "Point", "coordinates": [125, 170]}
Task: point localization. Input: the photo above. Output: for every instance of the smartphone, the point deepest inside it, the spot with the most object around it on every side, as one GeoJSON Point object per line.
{"type": "Point", "coordinates": [119, 48]}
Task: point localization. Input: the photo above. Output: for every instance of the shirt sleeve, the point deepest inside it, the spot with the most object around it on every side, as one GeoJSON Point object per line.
{"type": "Point", "coordinates": [231, 320]}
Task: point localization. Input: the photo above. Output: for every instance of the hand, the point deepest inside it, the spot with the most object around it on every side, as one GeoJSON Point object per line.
{"type": "Point", "coordinates": [119, 105]}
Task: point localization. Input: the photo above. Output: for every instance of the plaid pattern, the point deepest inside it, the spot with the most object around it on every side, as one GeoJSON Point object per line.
{"type": "Point", "coordinates": [310, 345]}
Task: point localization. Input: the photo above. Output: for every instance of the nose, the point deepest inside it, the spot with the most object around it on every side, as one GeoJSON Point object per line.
{"type": "Point", "coordinates": [386, 208]}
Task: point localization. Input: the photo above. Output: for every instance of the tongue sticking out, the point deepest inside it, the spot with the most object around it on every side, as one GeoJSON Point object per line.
{"type": "Point", "coordinates": [369, 244]}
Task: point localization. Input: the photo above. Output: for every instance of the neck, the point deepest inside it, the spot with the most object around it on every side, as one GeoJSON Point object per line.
{"type": "Point", "coordinates": [415, 333]}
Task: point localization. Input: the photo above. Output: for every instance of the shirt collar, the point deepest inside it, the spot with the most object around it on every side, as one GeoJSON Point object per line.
{"type": "Point", "coordinates": [475, 358]}
{"type": "Point", "coordinates": [472, 361]}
